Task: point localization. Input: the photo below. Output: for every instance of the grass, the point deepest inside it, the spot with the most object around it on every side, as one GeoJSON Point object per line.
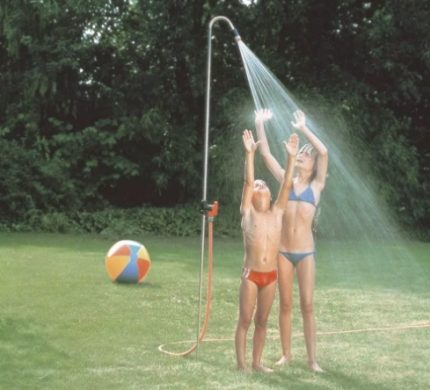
{"type": "Point", "coordinates": [64, 325]}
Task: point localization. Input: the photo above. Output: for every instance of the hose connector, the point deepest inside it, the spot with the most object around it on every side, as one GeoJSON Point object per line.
{"type": "Point", "coordinates": [205, 207]}
{"type": "Point", "coordinates": [213, 212]}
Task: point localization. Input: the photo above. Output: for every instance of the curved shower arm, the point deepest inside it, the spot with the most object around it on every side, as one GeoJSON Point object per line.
{"type": "Point", "coordinates": [208, 88]}
{"type": "Point", "coordinates": [228, 21]}
{"type": "Point", "coordinates": [216, 18]}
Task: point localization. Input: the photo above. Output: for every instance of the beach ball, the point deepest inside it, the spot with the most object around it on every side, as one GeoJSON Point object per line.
{"type": "Point", "coordinates": [127, 262]}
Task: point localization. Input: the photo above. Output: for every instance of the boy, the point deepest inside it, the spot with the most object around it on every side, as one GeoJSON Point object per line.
{"type": "Point", "coordinates": [261, 225]}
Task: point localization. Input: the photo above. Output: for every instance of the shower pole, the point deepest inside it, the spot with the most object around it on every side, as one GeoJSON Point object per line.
{"type": "Point", "coordinates": [205, 206]}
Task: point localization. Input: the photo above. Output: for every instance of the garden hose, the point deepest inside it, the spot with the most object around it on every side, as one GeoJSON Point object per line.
{"type": "Point", "coordinates": [212, 212]}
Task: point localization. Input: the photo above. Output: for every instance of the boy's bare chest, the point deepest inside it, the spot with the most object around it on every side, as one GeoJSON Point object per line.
{"type": "Point", "coordinates": [264, 224]}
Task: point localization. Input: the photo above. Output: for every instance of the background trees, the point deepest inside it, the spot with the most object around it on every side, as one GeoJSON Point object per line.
{"type": "Point", "coordinates": [101, 102]}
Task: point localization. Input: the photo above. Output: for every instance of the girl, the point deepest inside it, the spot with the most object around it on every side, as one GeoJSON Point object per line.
{"type": "Point", "coordinates": [297, 250]}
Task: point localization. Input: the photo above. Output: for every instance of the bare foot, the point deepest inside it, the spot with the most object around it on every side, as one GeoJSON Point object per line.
{"type": "Point", "coordinates": [283, 361]}
{"type": "Point", "coordinates": [244, 369]}
{"type": "Point", "coordinates": [261, 368]}
{"type": "Point", "coordinates": [315, 367]}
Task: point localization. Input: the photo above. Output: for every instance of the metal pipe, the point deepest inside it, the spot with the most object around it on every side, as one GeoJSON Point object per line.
{"type": "Point", "coordinates": [206, 151]}
{"type": "Point", "coordinates": [208, 93]}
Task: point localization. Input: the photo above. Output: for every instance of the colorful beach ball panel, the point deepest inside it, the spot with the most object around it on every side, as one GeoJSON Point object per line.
{"type": "Point", "coordinates": [127, 262]}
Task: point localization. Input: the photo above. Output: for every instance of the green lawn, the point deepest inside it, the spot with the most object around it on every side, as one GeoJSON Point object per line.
{"type": "Point", "coordinates": [64, 325]}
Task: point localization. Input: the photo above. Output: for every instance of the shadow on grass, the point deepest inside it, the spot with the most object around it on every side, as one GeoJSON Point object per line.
{"type": "Point", "coordinates": [353, 382]}
{"type": "Point", "coordinates": [296, 376]}
{"type": "Point", "coordinates": [326, 380]}
{"type": "Point", "coordinates": [138, 285]}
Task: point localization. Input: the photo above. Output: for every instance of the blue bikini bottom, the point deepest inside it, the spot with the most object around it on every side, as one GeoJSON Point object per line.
{"type": "Point", "coordinates": [296, 257]}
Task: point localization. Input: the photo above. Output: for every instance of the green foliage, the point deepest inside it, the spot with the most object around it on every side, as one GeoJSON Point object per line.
{"type": "Point", "coordinates": [102, 103]}
{"type": "Point", "coordinates": [28, 182]}
{"type": "Point", "coordinates": [180, 221]}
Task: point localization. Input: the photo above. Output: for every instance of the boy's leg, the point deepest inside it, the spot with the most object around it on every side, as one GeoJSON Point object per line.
{"type": "Point", "coordinates": [247, 299]}
{"type": "Point", "coordinates": [264, 304]}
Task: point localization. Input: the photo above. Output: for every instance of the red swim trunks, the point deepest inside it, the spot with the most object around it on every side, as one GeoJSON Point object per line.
{"type": "Point", "coordinates": [261, 279]}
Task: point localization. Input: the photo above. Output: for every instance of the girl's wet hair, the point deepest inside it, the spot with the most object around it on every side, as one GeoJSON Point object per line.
{"type": "Point", "coordinates": [311, 151]}
{"type": "Point", "coordinates": [308, 149]}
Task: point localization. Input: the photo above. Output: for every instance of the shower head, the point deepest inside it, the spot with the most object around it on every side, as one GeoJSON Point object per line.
{"type": "Point", "coordinates": [236, 35]}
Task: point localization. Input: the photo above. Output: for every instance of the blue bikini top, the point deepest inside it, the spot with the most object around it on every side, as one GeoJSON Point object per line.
{"type": "Point", "coordinates": [306, 196]}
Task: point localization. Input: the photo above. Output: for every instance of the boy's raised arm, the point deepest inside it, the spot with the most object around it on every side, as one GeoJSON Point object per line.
{"type": "Point", "coordinates": [250, 147]}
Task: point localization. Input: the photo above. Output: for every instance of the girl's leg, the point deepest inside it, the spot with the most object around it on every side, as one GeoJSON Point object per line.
{"type": "Point", "coordinates": [264, 304]}
{"type": "Point", "coordinates": [285, 283]}
{"type": "Point", "coordinates": [247, 299]}
{"type": "Point", "coordinates": [306, 279]}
